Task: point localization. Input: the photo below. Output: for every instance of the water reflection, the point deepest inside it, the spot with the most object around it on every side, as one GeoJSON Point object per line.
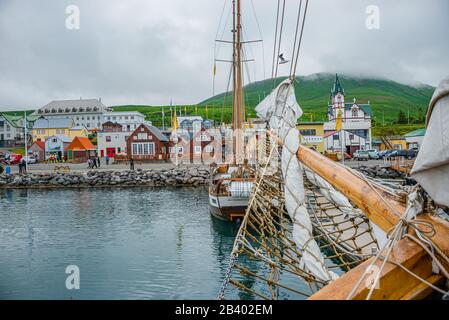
{"type": "Point", "coordinates": [136, 243]}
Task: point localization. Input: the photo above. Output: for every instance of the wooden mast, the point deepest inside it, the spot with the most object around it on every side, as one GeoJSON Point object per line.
{"type": "Point", "coordinates": [237, 102]}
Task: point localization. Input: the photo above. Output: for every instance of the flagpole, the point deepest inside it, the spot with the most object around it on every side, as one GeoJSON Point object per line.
{"type": "Point", "coordinates": [26, 142]}
{"type": "Point", "coordinates": [163, 120]}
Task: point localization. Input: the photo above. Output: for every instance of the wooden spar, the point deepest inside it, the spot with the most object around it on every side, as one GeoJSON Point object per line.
{"type": "Point", "coordinates": [378, 210]}
{"type": "Point", "coordinates": [395, 283]}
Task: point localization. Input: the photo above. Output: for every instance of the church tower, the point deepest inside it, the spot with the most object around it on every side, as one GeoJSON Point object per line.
{"type": "Point", "coordinates": [337, 95]}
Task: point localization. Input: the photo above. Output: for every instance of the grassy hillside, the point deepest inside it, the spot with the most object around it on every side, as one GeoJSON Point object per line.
{"type": "Point", "coordinates": [387, 98]}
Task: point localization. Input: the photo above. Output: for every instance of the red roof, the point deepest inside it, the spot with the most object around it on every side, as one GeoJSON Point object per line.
{"type": "Point", "coordinates": [40, 143]}
{"type": "Point", "coordinates": [81, 143]}
{"type": "Point", "coordinates": [330, 133]}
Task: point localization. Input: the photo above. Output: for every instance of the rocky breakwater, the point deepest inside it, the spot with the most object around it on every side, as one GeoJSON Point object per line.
{"type": "Point", "coordinates": [380, 172]}
{"type": "Point", "coordinates": [162, 177]}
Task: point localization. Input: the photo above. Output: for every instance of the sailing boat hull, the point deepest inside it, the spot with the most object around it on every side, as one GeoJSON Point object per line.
{"type": "Point", "coordinates": [227, 207]}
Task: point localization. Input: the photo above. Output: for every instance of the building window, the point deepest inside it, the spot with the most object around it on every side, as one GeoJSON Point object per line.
{"type": "Point", "coordinates": [60, 131]}
{"type": "Point", "coordinates": [132, 117]}
{"type": "Point", "coordinates": [308, 132]}
{"type": "Point", "coordinates": [88, 125]}
{"type": "Point", "coordinates": [209, 149]}
{"type": "Point", "coordinates": [336, 137]}
{"type": "Point", "coordinates": [197, 149]}
{"type": "Point", "coordinates": [146, 148]}
{"type": "Point", "coordinates": [108, 138]}
{"type": "Point", "coordinates": [142, 136]}
{"type": "Point", "coordinates": [8, 127]}
{"type": "Point", "coordinates": [355, 113]}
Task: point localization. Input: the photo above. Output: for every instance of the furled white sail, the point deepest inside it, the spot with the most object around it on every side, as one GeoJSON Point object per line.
{"type": "Point", "coordinates": [281, 110]}
{"type": "Point", "coordinates": [431, 168]}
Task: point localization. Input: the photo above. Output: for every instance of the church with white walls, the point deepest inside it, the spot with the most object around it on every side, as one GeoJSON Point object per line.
{"type": "Point", "coordinates": [356, 123]}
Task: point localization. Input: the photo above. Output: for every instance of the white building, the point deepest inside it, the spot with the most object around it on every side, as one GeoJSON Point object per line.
{"type": "Point", "coordinates": [356, 123]}
{"type": "Point", "coordinates": [129, 120]}
{"type": "Point", "coordinates": [11, 130]}
{"type": "Point", "coordinates": [415, 138]}
{"type": "Point", "coordinates": [83, 112]}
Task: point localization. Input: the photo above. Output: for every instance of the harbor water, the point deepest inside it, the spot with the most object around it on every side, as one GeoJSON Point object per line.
{"type": "Point", "coordinates": [135, 243]}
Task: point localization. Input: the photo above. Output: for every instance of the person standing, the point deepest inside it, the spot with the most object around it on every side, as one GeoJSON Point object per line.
{"type": "Point", "coordinates": [131, 164]}
{"type": "Point", "coordinates": [107, 160]}
{"type": "Point", "coordinates": [98, 161]}
{"type": "Point", "coordinates": [94, 163]}
{"type": "Point", "coordinates": [24, 165]}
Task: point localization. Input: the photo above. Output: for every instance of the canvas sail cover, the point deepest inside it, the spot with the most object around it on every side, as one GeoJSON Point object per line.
{"type": "Point", "coordinates": [281, 110]}
{"type": "Point", "coordinates": [431, 168]}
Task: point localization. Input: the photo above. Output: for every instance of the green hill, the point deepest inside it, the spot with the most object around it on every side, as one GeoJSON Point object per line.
{"type": "Point", "coordinates": [386, 97]}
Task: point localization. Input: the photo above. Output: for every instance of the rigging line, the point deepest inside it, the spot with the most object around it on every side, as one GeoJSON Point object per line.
{"type": "Point", "coordinates": [275, 39]}
{"type": "Point", "coordinates": [245, 36]}
{"type": "Point", "coordinates": [298, 18]}
{"type": "Point", "coordinates": [300, 38]}
{"type": "Point", "coordinates": [226, 95]}
{"type": "Point", "coordinates": [221, 19]}
{"type": "Point", "coordinates": [261, 37]}
{"type": "Point", "coordinates": [279, 43]}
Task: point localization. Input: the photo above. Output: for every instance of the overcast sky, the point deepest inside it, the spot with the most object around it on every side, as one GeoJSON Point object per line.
{"type": "Point", "coordinates": [148, 51]}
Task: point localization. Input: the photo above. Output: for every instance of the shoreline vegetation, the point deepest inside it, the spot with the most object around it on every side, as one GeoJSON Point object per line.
{"type": "Point", "coordinates": [187, 176]}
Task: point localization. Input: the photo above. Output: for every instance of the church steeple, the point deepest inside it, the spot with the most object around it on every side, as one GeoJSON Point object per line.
{"type": "Point", "coordinates": [337, 94]}
{"type": "Point", "coordinates": [337, 88]}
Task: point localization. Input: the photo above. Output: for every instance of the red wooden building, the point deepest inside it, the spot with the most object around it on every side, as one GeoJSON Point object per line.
{"type": "Point", "coordinates": [147, 143]}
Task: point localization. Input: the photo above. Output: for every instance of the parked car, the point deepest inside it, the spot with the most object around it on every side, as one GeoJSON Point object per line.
{"type": "Point", "coordinates": [13, 158]}
{"type": "Point", "coordinates": [30, 159]}
{"type": "Point", "coordinates": [373, 154]}
{"type": "Point", "coordinates": [361, 155]}
{"type": "Point", "coordinates": [387, 153]}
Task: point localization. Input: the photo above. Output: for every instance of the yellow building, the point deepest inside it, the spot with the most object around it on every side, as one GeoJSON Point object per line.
{"type": "Point", "coordinates": [78, 131]}
{"type": "Point", "coordinates": [311, 134]}
{"type": "Point", "coordinates": [44, 128]}
{"type": "Point", "coordinates": [397, 142]}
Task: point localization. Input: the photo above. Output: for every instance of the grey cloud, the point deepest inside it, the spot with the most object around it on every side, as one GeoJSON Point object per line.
{"type": "Point", "coordinates": [147, 52]}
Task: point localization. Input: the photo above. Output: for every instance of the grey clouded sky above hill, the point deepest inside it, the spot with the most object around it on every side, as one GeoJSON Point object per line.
{"type": "Point", "coordinates": [148, 51]}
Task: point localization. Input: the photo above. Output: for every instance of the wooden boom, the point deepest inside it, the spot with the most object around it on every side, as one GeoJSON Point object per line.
{"type": "Point", "coordinates": [395, 283]}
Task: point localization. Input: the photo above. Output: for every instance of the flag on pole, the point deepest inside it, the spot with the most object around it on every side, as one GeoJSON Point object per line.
{"type": "Point", "coordinates": [215, 69]}
{"type": "Point", "coordinates": [185, 110]}
{"type": "Point", "coordinates": [174, 123]}
{"type": "Point", "coordinates": [338, 122]}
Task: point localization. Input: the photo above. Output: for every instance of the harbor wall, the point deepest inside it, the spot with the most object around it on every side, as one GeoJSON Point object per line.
{"type": "Point", "coordinates": [151, 177]}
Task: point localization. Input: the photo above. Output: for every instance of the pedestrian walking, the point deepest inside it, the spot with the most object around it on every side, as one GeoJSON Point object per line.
{"type": "Point", "coordinates": [94, 163]}
{"type": "Point", "coordinates": [89, 163]}
{"type": "Point", "coordinates": [107, 160]}
{"type": "Point", "coordinates": [98, 161]}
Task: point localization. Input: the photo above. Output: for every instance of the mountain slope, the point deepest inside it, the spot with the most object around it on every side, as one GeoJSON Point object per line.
{"type": "Point", "coordinates": [386, 97]}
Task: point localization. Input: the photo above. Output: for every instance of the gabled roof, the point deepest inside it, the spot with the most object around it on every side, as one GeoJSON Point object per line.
{"type": "Point", "coordinates": [52, 123]}
{"type": "Point", "coordinates": [12, 119]}
{"type": "Point", "coordinates": [78, 128]}
{"type": "Point", "coordinates": [81, 143]}
{"type": "Point", "coordinates": [39, 143]}
{"type": "Point", "coordinates": [329, 133]}
{"type": "Point", "coordinates": [365, 108]}
{"type": "Point", "coordinates": [61, 137]}
{"type": "Point", "coordinates": [156, 132]}
{"type": "Point", "coordinates": [416, 133]}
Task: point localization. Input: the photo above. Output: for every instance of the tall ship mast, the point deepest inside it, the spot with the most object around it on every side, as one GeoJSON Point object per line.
{"type": "Point", "coordinates": [230, 184]}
